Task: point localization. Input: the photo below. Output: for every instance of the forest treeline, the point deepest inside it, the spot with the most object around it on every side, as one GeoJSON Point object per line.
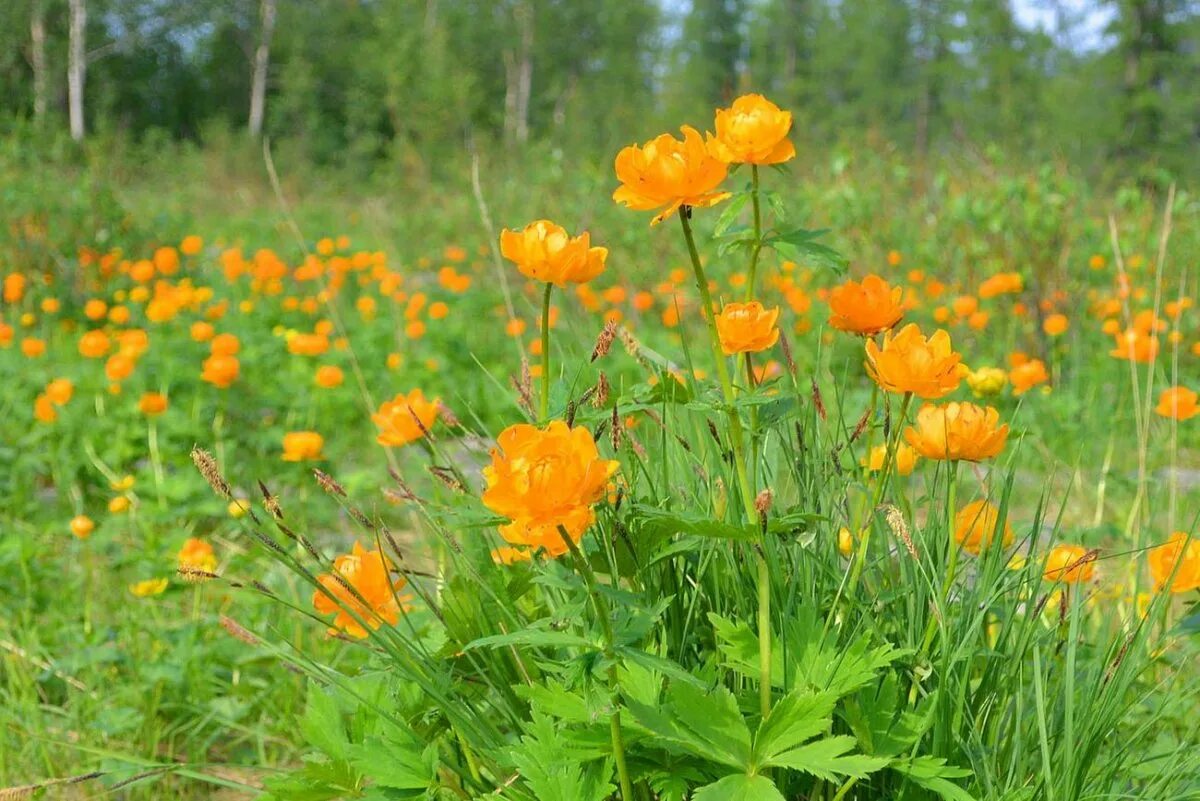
{"type": "Point", "coordinates": [354, 80]}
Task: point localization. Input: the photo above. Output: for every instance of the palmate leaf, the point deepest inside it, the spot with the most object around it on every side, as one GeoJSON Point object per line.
{"type": "Point", "coordinates": [828, 759]}
{"type": "Point", "coordinates": [740, 787]}
{"type": "Point", "coordinates": [400, 765]}
{"type": "Point", "coordinates": [801, 245]}
{"type": "Point", "coordinates": [553, 771]}
{"type": "Point", "coordinates": [697, 721]}
{"type": "Point", "coordinates": [934, 775]}
{"type": "Point", "coordinates": [795, 719]}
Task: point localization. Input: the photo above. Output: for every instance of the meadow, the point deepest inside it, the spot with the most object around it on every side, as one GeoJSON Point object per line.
{"type": "Point", "coordinates": [321, 485]}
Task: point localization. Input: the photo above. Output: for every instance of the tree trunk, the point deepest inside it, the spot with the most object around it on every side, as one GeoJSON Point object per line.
{"type": "Point", "coordinates": [525, 71]}
{"type": "Point", "coordinates": [76, 67]}
{"type": "Point", "coordinates": [262, 59]}
{"type": "Point", "coordinates": [37, 38]}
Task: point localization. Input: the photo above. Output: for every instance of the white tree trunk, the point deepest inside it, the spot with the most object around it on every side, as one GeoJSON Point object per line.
{"type": "Point", "coordinates": [76, 67]}
{"type": "Point", "coordinates": [525, 71]}
{"type": "Point", "coordinates": [37, 38]}
{"type": "Point", "coordinates": [262, 60]}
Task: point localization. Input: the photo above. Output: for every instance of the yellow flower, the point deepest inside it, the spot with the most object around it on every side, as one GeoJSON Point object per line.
{"type": "Point", "coordinates": [987, 381]}
{"type": "Point", "coordinates": [957, 431]}
{"type": "Point", "coordinates": [543, 479]}
{"type": "Point", "coordinates": [118, 504]}
{"type": "Point", "coordinates": [82, 526]}
{"type": "Point", "coordinates": [753, 131]}
{"type": "Point", "coordinates": [908, 362]}
{"type": "Point", "coordinates": [906, 459]}
{"type": "Point", "coordinates": [148, 588]}
{"type": "Point", "coordinates": [196, 554]}
{"type": "Point", "coordinates": [544, 251]}
{"type": "Point", "coordinates": [747, 327]}
{"type": "Point", "coordinates": [975, 527]}
{"type": "Point", "coordinates": [666, 173]}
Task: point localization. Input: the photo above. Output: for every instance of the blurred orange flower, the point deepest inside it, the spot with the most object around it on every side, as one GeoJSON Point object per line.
{"type": "Point", "coordinates": [329, 376]}
{"type": "Point", "coordinates": [1027, 375]}
{"type": "Point", "coordinates": [957, 431]}
{"type": "Point", "coordinates": [1069, 563]}
{"type": "Point", "coordinates": [908, 362]}
{"type": "Point", "coordinates": [302, 446]}
{"type": "Point", "coordinates": [666, 173]}
{"type": "Point", "coordinates": [1179, 403]}
{"type": "Point", "coordinates": [544, 251]}
{"type": "Point", "coordinates": [753, 131]}
{"type": "Point", "coordinates": [94, 344]}
{"type": "Point", "coordinates": [152, 404]}
{"type": "Point", "coordinates": [196, 554]}
{"type": "Point", "coordinates": [1055, 324]}
{"type": "Point", "coordinates": [82, 526]}
{"type": "Point", "coordinates": [867, 307]}
{"type": "Point", "coordinates": [405, 418]}
{"type": "Point", "coordinates": [747, 327]}
{"type": "Point", "coordinates": [543, 479]}
{"type": "Point", "coordinates": [975, 527]}
{"type": "Point", "coordinates": [1180, 550]}
{"type": "Point", "coordinates": [59, 391]}
{"type": "Point", "coordinates": [1135, 345]}
{"type": "Point", "coordinates": [360, 590]}
{"type": "Point", "coordinates": [220, 371]}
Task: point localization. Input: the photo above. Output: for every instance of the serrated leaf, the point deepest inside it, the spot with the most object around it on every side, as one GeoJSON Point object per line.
{"type": "Point", "coordinates": [663, 523]}
{"type": "Point", "coordinates": [828, 759]}
{"type": "Point", "coordinates": [796, 718]}
{"type": "Point", "coordinates": [739, 787]}
{"type": "Point", "coordinates": [536, 638]}
{"type": "Point", "coordinates": [934, 775]}
{"type": "Point", "coordinates": [322, 725]}
{"type": "Point", "coordinates": [697, 721]}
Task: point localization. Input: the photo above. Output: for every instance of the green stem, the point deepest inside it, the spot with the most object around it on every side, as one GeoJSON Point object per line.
{"type": "Point", "coordinates": [602, 612]}
{"type": "Point", "coordinates": [754, 253]}
{"type": "Point", "coordinates": [739, 461]}
{"type": "Point", "coordinates": [545, 399]}
{"type": "Point", "coordinates": [955, 547]}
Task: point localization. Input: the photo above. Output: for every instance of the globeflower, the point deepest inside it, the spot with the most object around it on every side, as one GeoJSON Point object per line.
{"type": "Point", "coordinates": [544, 479]}
{"type": "Point", "coordinates": [666, 173]}
{"type": "Point", "coordinates": [1178, 403]}
{"type": "Point", "coordinates": [1027, 375]}
{"type": "Point", "coordinates": [545, 252]}
{"type": "Point", "coordinates": [1136, 346]}
{"type": "Point", "coordinates": [302, 446]}
{"type": "Point", "coordinates": [152, 404]}
{"type": "Point", "coordinates": [148, 588]}
{"type": "Point", "coordinates": [405, 418]}
{"type": "Point", "coordinates": [867, 307]}
{"type": "Point", "coordinates": [1072, 564]}
{"type": "Point", "coordinates": [987, 381]}
{"type": "Point", "coordinates": [220, 371]}
{"type": "Point", "coordinates": [360, 590]}
{"type": "Point", "coordinates": [94, 344]}
{"type": "Point", "coordinates": [747, 327]}
{"type": "Point", "coordinates": [753, 131]}
{"type": "Point", "coordinates": [82, 526]}
{"type": "Point", "coordinates": [329, 376]}
{"type": "Point", "coordinates": [197, 555]}
{"type": "Point", "coordinates": [975, 527]}
{"type": "Point", "coordinates": [59, 391]}
{"type": "Point", "coordinates": [905, 456]}
{"type": "Point", "coordinates": [908, 362]}
{"type": "Point", "coordinates": [957, 431]}
{"type": "Point", "coordinates": [1180, 550]}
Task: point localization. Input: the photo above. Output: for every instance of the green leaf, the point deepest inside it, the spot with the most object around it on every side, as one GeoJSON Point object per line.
{"type": "Point", "coordinates": [322, 725]}
{"type": "Point", "coordinates": [535, 638]}
{"type": "Point", "coordinates": [828, 759]}
{"type": "Point", "coordinates": [665, 667]}
{"type": "Point", "coordinates": [402, 765]}
{"type": "Point", "coordinates": [730, 213]}
{"type": "Point", "coordinates": [801, 245]}
{"type": "Point", "coordinates": [934, 775]}
{"type": "Point", "coordinates": [796, 718]}
{"type": "Point", "coordinates": [662, 523]}
{"type": "Point", "coordinates": [707, 724]}
{"type": "Point", "coordinates": [740, 787]}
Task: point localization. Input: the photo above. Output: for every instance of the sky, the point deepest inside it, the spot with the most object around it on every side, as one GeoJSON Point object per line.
{"type": "Point", "coordinates": [1086, 21]}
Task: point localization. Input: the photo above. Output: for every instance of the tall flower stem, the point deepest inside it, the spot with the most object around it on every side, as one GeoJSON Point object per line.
{"type": "Point", "coordinates": [758, 243]}
{"type": "Point", "coordinates": [952, 559]}
{"type": "Point", "coordinates": [602, 612]}
{"type": "Point", "coordinates": [739, 461]}
{"type": "Point", "coordinates": [545, 398]}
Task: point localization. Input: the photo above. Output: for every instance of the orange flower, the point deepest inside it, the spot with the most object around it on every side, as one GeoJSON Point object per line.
{"type": "Point", "coordinates": [373, 599]}
{"type": "Point", "coordinates": [747, 327]}
{"type": "Point", "coordinates": [1135, 345]}
{"type": "Point", "coordinates": [329, 376]}
{"type": "Point", "coordinates": [908, 362]}
{"type": "Point", "coordinates": [82, 526]}
{"type": "Point", "coordinates": [906, 459]}
{"type": "Point", "coordinates": [1180, 550]}
{"type": "Point", "coordinates": [865, 308]}
{"type": "Point", "coordinates": [753, 131]}
{"type": "Point", "coordinates": [957, 431]}
{"type": "Point", "coordinates": [307, 344]}
{"type": "Point", "coordinates": [202, 331]}
{"type": "Point", "coordinates": [224, 345]}
{"type": "Point", "coordinates": [220, 371]}
{"type": "Point", "coordinates": [32, 347]}
{"type": "Point", "coordinates": [1178, 403]}
{"type": "Point", "coordinates": [94, 344]}
{"type": "Point", "coordinates": [1070, 563]}
{"type": "Point", "coordinates": [544, 251]}
{"type": "Point", "coordinates": [191, 245]}
{"type": "Point", "coordinates": [152, 404]}
{"type": "Point", "coordinates": [543, 479]}
{"type": "Point", "coordinates": [1000, 284]}
{"type": "Point", "coordinates": [975, 527]}
{"type": "Point", "coordinates": [1027, 375]}
{"type": "Point", "coordinates": [60, 390]}
{"type": "Point", "coordinates": [14, 287]}
{"type": "Point", "coordinates": [1055, 325]}
{"type": "Point", "coordinates": [43, 409]}
{"type": "Point", "coordinates": [666, 173]}
{"type": "Point", "coordinates": [196, 554]}
{"type": "Point", "coordinates": [301, 446]}
{"type": "Point", "coordinates": [405, 418]}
